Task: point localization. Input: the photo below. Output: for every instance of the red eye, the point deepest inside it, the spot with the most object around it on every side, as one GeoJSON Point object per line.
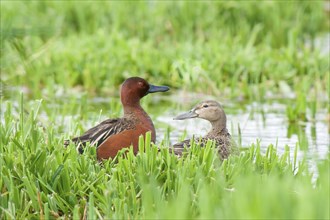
{"type": "Point", "coordinates": [140, 84]}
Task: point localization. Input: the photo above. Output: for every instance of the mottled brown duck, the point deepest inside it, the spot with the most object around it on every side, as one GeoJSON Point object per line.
{"type": "Point", "coordinates": [213, 112]}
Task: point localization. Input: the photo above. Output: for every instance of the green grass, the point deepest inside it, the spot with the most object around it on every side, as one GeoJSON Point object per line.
{"type": "Point", "coordinates": [207, 47]}
{"type": "Point", "coordinates": [42, 179]}
{"type": "Point", "coordinates": [56, 57]}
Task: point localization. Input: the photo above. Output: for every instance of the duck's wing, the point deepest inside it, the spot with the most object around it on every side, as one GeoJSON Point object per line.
{"type": "Point", "coordinates": [98, 134]}
{"type": "Point", "coordinates": [223, 143]}
{"type": "Point", "coordinates": [178, 148]}
{"type": "Point", "coordinates": [224, 146]}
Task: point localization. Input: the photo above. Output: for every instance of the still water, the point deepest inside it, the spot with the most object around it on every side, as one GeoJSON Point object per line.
{"type": "Point", "coordinates": [249, 123]}
{"type": "Point", "coordinates": [273, 127]}
{"type": "Point", "coordinates": [259, 123]}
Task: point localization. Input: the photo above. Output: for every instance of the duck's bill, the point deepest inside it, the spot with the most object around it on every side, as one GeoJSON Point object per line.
{"type": "Point", "coordinates": [153, 88]}
{"type": "Point", "coordinates": [186, 115]}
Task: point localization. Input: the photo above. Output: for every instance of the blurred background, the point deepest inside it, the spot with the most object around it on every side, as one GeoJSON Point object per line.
{"type": "Point", "coordinates": [267, 62]}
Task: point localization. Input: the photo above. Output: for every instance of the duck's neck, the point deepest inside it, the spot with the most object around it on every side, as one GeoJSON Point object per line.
{"type": "Point", "coordinates": [137, 114]}
{"type": "Point", "coordinates": [218, 127]}
{"type": "Point", "coordinates": [135, 111]}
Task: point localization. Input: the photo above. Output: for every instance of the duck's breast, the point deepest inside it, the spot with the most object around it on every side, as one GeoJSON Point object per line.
{"type": "Point", "coordinates": [111, 146]}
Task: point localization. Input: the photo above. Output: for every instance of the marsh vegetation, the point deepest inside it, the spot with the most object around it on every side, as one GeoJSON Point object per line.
{"type": "Point", "coordinates": [267, 62]}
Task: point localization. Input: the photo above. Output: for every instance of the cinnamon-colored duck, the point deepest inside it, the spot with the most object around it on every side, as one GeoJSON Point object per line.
{"type": "Point", "coordinates": [112, 135]}
{"type": "Point", "coordinates": [213, 112]}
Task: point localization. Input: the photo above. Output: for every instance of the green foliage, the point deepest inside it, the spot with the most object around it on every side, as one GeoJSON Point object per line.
{"type": "Point", "coordinates": [68, 52]}
{"type": "Point", "coordinates": [201, 46]}
{"type": "Point", "coordinates": [42, 179]}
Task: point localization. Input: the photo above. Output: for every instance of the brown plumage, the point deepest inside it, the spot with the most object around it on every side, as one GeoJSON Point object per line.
{"type": "Point", "coordinates": [112, 135]}
{"type": "Point", "coordinates": [98, 134]}
{"type": "Point", "coordinates": [214, 113]}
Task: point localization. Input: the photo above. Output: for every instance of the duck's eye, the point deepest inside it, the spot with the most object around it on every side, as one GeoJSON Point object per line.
{"type": "Point", "coordinates": [205, 106]}
{"type": "Point", "coordinates": [140, 84]}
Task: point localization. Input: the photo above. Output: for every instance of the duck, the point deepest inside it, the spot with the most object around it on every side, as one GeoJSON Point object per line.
{"type": "Point", "coordinates": [112, 135]}
{"type": "Point", "coordinates": [213, 112]}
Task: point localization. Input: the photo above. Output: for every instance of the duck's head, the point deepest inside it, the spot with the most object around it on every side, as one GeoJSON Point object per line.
{"type": "Point", "coordinates": [134, 88]}
{"type": "Point", "coordinates": [209, 110]}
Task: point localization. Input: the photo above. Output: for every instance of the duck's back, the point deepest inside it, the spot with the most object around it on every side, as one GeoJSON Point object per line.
{"type": "Point", "coordinates": [100, 133]}
{"type": "Point", "coordinates": [222, 142]}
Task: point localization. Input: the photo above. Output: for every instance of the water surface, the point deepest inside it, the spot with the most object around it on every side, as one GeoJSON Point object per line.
{"type": "Point", "coordinates": [264, 127]}
{"type": "Point", "coordinates": [266, 123]}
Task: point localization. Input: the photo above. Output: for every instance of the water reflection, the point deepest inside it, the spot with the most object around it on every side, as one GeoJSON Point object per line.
{"type": "Point", "coordinates": [270, 126]}
{"type": "Point", "coordinates": [248, 123]}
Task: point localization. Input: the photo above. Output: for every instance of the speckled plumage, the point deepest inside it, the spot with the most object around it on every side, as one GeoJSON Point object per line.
{"type": "Point", "coordinates": [213, 112]}
{"type": "Point", "coordinates": [222, 141]}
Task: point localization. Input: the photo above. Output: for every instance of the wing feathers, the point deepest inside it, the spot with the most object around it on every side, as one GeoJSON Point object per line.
{"type": "Point", "coordinates": [98, 134]}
